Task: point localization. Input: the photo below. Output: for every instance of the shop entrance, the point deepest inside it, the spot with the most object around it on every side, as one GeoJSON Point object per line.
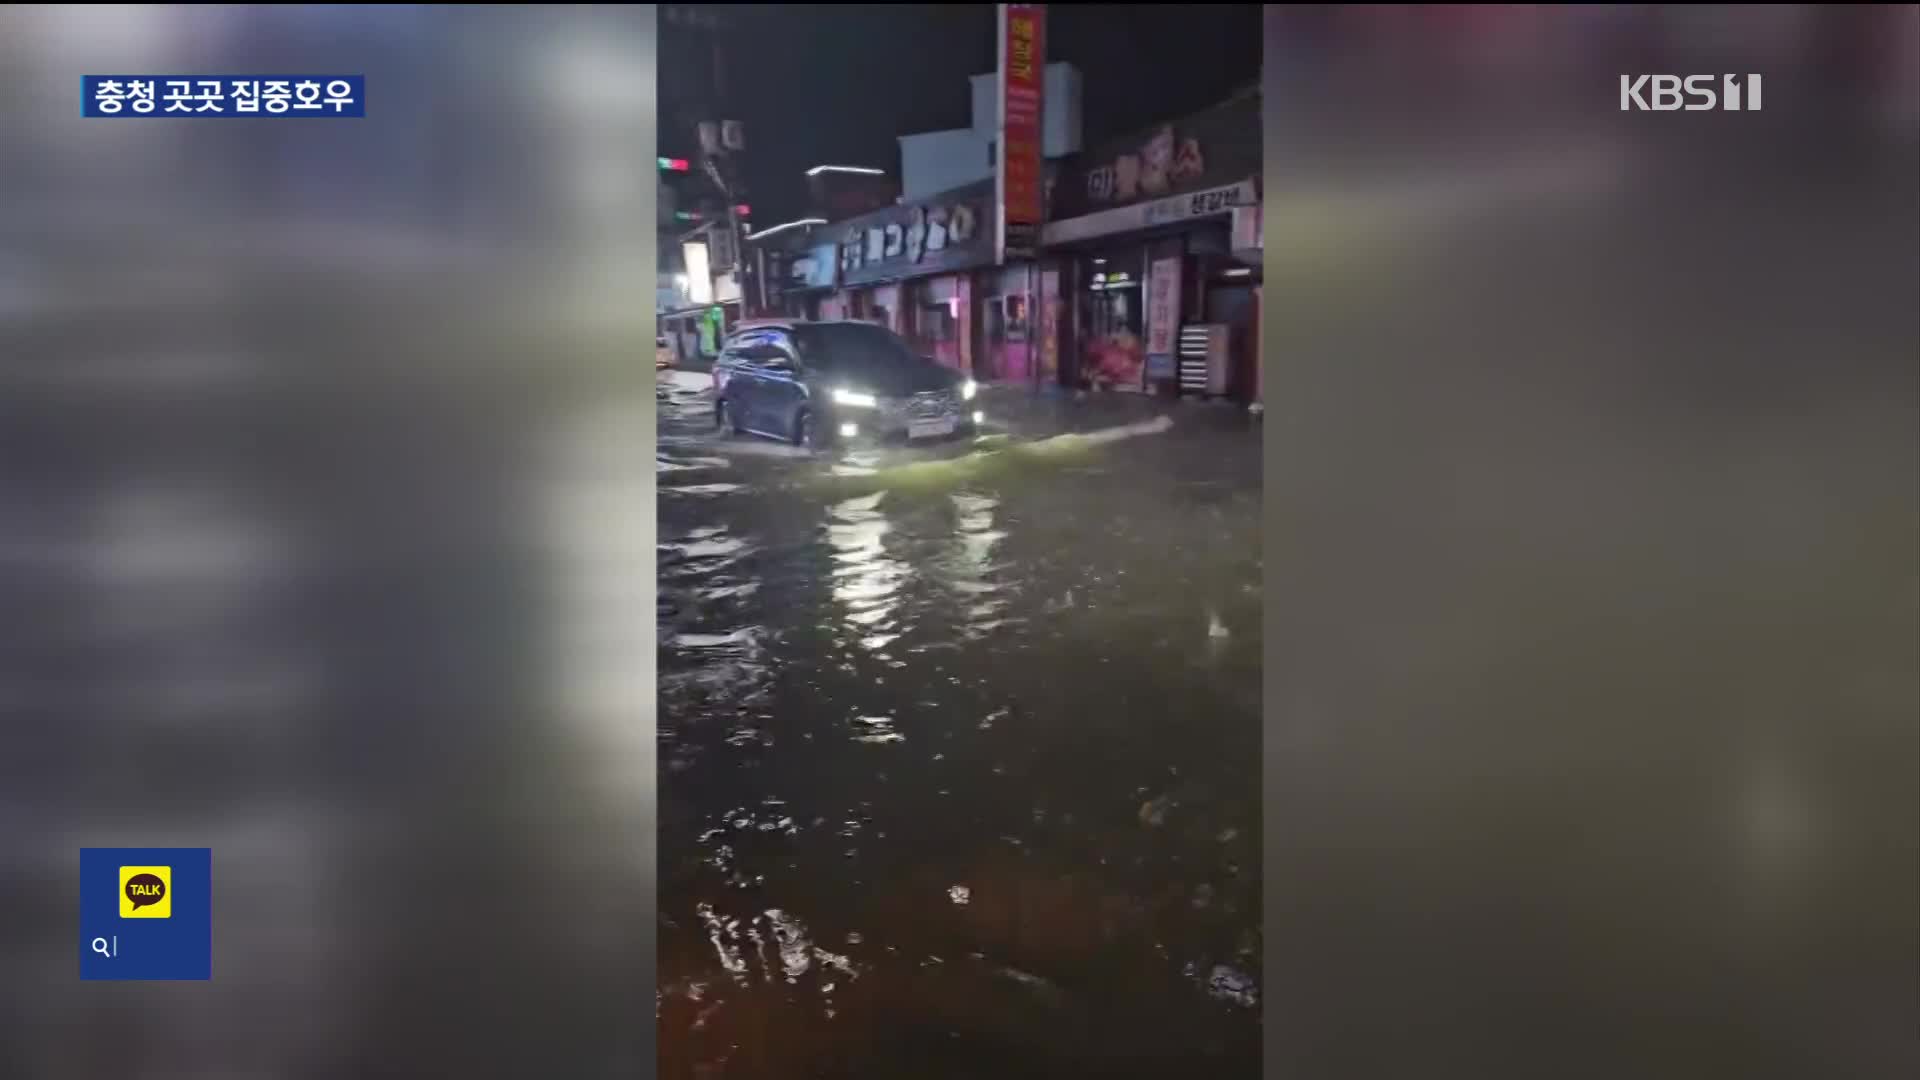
{"type": "Point", "coordinates": [1235, 303]}
{"type": "Point", "coordinates": [936, 326]}
{"type": "Point", "coordinates": [1009, 351]}
{"type": "Point", "coordinates": [1113, 353]}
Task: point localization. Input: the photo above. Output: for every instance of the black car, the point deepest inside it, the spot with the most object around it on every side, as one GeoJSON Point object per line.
{"type": "Point", "coordinates": [816, 383]}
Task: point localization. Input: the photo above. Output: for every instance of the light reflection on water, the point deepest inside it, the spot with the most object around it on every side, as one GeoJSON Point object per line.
{"type": "Point", "coordinates": [865, 579]}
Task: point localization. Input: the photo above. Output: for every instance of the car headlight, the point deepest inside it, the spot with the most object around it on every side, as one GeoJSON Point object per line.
{"type": "Point", "coordinates": [854, 399]}
{"type": "Point", "coordinates": [968, 389]}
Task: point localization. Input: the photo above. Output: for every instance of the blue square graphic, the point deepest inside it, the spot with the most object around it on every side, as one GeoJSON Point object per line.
{"type": "Point", "coordinates": [177, 945]}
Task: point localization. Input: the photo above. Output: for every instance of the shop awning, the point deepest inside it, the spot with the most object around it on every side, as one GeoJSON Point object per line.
{"type": "Point", "coordinates": [1140, 217]}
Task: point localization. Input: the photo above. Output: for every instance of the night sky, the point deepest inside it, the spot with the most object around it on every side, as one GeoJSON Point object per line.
{"type": "Point", "coordinates": [837, 83]}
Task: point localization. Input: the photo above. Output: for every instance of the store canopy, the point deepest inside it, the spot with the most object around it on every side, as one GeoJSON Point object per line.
{"type": "Point", "coordinates": [1139, 217]}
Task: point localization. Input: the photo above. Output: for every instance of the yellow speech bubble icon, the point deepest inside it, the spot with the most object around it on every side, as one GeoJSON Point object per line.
{"type": "Point", "coordinates": [146, 892]}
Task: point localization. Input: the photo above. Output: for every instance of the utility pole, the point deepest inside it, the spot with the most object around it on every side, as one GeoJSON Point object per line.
{"type": "Point", "coordinates": [700, 93]}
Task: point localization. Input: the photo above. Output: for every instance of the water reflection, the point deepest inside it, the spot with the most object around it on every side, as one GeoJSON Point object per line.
{"type": "Point", "coordinates": [866, 581]}
{"type": "Point", "coordinates": [971, 567]}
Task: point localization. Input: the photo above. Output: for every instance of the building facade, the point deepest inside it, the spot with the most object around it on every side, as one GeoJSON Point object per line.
{"type": "Point", "coordinates": [1152, 250]}
{"type": "Point", "coordinates": [1148, 278]}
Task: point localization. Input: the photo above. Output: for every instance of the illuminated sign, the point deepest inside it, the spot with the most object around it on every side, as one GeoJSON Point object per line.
{"type": "Point", "coordinates": [1018, 173]}
{"type": "Point", "coordinates": [699, 276]}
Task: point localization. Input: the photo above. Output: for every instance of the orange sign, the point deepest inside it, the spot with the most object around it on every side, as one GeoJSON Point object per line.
{"type": "Point", "coordinates": [1023, 63]}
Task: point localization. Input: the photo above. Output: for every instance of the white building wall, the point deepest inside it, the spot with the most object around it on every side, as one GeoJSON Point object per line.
{"type": "Point", "coordinates": [1060, 111]}
{"type": "Point", "coordinates": [937, 161]}
{"type": "Point", "coordinates": [1060, 108]}
{"type": "Point", "coordinates": [983, 104]}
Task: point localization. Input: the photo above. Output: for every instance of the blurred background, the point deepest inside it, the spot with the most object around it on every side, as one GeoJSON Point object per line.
{"type": "Point", "coordinates": [1592, 731]}
{"type": "Point", "coordinates": [325, 540]}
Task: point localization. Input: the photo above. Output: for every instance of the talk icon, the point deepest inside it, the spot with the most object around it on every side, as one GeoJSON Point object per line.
{"type": "Point", "coordinates": [146, 892]}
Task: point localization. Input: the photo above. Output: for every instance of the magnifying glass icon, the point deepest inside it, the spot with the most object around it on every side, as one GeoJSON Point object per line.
{"type": "Point", "coordinates": [100, 946]}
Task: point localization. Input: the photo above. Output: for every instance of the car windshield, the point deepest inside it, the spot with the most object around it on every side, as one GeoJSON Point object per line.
{"type": "Point", "coordinates": [854, 350]}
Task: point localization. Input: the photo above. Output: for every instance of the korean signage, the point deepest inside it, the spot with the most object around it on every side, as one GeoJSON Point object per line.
{"type": "Point", "coordinates": [1160, 164]}
{"type": "Point", "coordinates": [948, 232]}
{"type": "Point", "coordinates": [1167, 211]}
{"type": "Point", "coordinates": [283, 97]}
{"type": "Point", "coordinates": [1017, 175]}
{"type": "Point", "coordinates": [1163, 316]}
{"type": "Point", "coordinates": [1206, 150]}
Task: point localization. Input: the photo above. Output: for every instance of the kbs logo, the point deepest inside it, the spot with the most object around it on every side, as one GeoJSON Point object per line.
{"type": "Point", "coordinates": [1665, 93]}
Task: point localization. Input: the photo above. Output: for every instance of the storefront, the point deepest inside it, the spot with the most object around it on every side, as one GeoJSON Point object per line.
{"type": "Point", "coordinates": [800, 277]}
{"type": "Point", "coordinates": [694, 334]}
{"type": "Point", "coordinates": [1006, 321]}
{"type": "Point", "coordinates": [925, 270]}
{"type": "Point", "coordinates": [1142, 248]}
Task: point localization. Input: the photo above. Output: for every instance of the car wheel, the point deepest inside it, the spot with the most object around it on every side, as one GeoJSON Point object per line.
{"type": "Point", "coordinates": [805, 432]}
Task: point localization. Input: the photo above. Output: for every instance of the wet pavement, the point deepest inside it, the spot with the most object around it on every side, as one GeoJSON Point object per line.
{"type": "Point", "coordinates": [959, 751]}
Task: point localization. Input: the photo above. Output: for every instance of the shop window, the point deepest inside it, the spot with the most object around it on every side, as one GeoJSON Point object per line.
{"type": "Point", "coordinates": [1017, 318]}
{"type": "Point", "coordinates": [1115, 304]}
{"type": "Point", "coordinates": [1006, 319]}
{"type": "Point", "coordinates": [937, 324]}
{"type": "Point", "coordinates": [1112, 350]}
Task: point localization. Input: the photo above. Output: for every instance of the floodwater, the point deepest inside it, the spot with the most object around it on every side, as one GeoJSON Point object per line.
{"type": "Point", "coordinates": [959, 764]}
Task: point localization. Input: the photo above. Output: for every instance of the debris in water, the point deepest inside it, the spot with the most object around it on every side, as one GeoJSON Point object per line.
{"type": "Point", "coordinates": [879, 729]}
{"type": "Point", "coordinates": [960, 895]}
{"type": "Point", "coordinates": [1043, 988]}
{"type": "Point", "coordinates": [1215, 628]}
{"type": "Point", "coordinates": [1153, 812]}
{"type": "Point", "coordinates": [1231, 985]}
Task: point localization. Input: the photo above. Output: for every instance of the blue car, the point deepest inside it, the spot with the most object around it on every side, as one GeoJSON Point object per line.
{"type": "Point", "coordinates": [815, 384]}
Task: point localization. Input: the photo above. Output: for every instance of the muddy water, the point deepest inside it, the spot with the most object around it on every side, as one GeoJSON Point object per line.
{"type": "Point", "coordinates": [959, 774]}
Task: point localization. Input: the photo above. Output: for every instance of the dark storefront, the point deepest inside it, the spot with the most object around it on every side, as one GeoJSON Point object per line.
{"type": "Point", "coordinates": [800, 274]}
{"type": "Point", "coordinates": [926, 270]}
{"type": "Point", "coordinates": [1148, 249]}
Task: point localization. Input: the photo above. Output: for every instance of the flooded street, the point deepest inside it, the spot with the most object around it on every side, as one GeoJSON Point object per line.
{"type": "Point", "coordinates": [959, 755]}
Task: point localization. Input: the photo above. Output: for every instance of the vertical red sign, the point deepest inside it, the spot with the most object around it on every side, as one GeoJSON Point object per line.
{"type": "Point", "coordinates": [1023, 64]}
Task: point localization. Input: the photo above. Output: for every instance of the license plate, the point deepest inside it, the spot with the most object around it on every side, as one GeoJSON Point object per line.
{"type": "Point", "coordinates": [926, 429]}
